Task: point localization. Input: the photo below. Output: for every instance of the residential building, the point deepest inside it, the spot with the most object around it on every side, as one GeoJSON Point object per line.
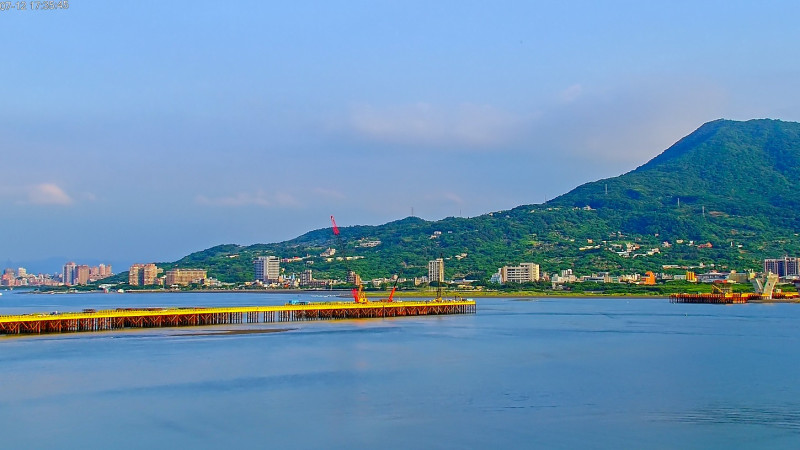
{"type": "Point", "coordinates": [150, 274]}
{"type": "Point", "coordinates": [602, 277]}
{"type": "Point", "coordinates": [368, 243]}
{"type": "Point", "coordinates": [566, 276]}
{"type": "Point", "coordinates": [353, 278]}
{"type": "Point", "coordinates": [783, 267]}
{"type": "Point", "coordinates": [185, 277]}
{"type": "Point", "coordinates": [142, 274]}
{"type": "Point", "coordinates": [267, 269]}
{"type": "Point", "coordinates": [133, 275]}
{"type": "Point", "coordinates": [436, 270]}
{"type": "Point", "coordinates": [82, 274]}
{"type": "Point", "coordinates": [523, 273]}
{"type": "Point", "coordinates": [8, 278]}
{"type": "Point", "coordinates": [306, 277]}
{"type": "Point", "coordinates": [307, 280]}
{"type": "Point", "coordinates": [70, 274]}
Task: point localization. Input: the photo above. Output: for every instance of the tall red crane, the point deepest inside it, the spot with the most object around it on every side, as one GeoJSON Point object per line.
{"type": "Point", "coordinates": [394, 288]}
{"type": "Point", "coordinates": [358, 293]}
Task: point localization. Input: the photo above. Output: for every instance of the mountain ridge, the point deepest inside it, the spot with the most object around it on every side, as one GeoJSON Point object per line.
{"type": "Point", "coordinates": [728, 183]}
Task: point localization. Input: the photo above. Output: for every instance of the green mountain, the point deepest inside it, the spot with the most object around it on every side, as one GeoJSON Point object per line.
{"type": "Point", "coordinates": [729, 184]}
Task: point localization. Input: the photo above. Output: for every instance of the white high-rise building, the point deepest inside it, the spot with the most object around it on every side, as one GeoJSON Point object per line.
{"type": "Point", "coordinates": [523, 273]}
{"type": "Point", "coordinates": [436, 270]}
{"type": "Point", "coordinates": [267, 269]}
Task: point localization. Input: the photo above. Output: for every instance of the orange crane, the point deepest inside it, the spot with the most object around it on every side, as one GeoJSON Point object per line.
{"type": "Point", "coordinates": [358, 293]}
{"type": "Point", "coordinates": [391, 294]}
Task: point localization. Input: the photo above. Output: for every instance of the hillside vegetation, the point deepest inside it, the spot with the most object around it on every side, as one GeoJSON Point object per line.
{"type": "Point", "coordinates": [730, 184]}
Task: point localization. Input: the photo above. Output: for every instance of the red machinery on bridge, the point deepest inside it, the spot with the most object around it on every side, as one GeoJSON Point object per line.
{"type": "Point", "coordinates": [358, 292]}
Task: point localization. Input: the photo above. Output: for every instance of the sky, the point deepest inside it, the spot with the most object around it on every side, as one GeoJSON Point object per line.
{"type": "Point", "coordinates": [144, 131]}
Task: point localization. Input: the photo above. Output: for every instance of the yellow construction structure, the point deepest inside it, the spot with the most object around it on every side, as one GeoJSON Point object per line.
{"type": "Point", "coordinates": [91, 320]}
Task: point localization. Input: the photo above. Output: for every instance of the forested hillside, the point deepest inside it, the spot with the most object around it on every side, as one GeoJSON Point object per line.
{"type": "Point", "coordinates": [729, 184]}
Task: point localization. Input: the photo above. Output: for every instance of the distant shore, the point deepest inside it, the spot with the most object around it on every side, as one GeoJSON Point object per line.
{"type": "Point", "coordinates": [501, 294]}
{"type": "Point", "coordinates": [345, 293]}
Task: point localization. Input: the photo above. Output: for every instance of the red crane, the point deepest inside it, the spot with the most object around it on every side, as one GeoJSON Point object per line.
{"type": "Point", "coordinates": [391, 295]}
{"type": "Point", "coordinates": [335, 228]}
{"type": "Point", "coordinates": [358, 293]}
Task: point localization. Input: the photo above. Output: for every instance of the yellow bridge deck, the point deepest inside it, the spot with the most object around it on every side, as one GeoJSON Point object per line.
{"type": "Point", "coordinates": [91, 320]}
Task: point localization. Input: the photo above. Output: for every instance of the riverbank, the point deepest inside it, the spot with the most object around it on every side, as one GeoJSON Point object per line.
{"type": "Point", "coordinates": [647, 292]}
{"type": "Point", "coordinates": [346, 294]}
{"type": "Point", "coordinates": [506, 294]}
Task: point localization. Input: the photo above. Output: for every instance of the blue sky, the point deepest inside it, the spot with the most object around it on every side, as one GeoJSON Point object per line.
{"type": "Point", "coordinates": [143, 131]}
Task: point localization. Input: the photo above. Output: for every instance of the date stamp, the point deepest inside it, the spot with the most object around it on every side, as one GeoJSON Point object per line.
{"type": "Point", "coordinates": [34, 6]}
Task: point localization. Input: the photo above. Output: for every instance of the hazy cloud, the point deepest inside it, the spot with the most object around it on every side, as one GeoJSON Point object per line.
{"type": "Point", "coordinates": [465, 125]}
{"type": "Point", "coordinates": [445, 198]}
{"type": "Point", "coordinates": [453, 197]}
{"type": "Point", "coordinates": [329, 194]}
{"type": "Point", "coordinates": [571, 93]}
{"type": "Point", "coordinates": [48, 194]}
{"type": "Point", "coordinates": [259, 198]}
{"type": "Point", "coordinates": [628, 123]}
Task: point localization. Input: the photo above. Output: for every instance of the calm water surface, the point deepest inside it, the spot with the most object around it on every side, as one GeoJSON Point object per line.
{"type": "Point", "coordinates": [540, 373]}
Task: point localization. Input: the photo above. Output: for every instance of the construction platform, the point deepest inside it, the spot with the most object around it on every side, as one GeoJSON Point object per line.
{"type": "Point", "coordinates": [731, 298]}
{"type": "Point", "coordinates": [719, 299]}
{"type": "Point", "coordinates": [120, 318]}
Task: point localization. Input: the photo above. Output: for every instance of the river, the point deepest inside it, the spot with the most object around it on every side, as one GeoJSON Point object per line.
{"type": "Point", "coordinates": [521, 373]}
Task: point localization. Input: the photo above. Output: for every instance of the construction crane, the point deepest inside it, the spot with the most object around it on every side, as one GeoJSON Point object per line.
{"type": "Point", "coordinates": [394, 288]}
{"type": "Point", "coordinates": [358, 292]}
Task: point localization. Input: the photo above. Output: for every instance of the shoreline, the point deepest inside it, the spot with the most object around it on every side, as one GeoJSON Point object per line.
{"type": "Point", "coordinates": [423, 295]}
{"type": "Point", "coordinates": [376, 295]}
{"type": "Point", "coordinates": [345, 293]}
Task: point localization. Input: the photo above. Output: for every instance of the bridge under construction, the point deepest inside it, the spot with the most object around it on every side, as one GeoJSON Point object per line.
{"type": "Point", "coordinates": [121, 318]}
{"type": "Point", "coordinates": [723, 294]}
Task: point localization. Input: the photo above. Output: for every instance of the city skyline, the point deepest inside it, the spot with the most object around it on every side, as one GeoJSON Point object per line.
{"type": "Point", "coordinates": [172, 131]}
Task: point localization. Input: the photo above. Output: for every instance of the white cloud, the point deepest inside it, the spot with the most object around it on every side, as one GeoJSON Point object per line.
{"type": "Point", "coordinates": [465, 125]}
{"type": "Point", "coordinates": [48, 194]}
{"type": "Point", "coordinates": [259, 198]}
